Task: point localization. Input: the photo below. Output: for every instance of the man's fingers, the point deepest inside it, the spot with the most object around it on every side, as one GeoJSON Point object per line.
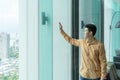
{"type": "Point", "coordinates": [60, 25]}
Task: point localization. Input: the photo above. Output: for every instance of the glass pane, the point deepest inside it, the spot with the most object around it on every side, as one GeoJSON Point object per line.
{"type": "Point", "coordinates": [9, 40]}
{"type": "Point", "coordinates": [45, 40]}
{"type": "Point", "coordinates": [111, 17]}
{"type": "Point", "coordinates": [115, 32]}
{"type": "Point", "coordinates": [90, 14]}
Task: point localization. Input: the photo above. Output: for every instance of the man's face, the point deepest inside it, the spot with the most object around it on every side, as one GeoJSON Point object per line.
{"type": "Point", "coordinates": [87, 34]}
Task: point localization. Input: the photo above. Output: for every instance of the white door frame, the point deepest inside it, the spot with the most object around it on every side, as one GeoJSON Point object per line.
{"type": "Point", "coordinates": [28, 57]}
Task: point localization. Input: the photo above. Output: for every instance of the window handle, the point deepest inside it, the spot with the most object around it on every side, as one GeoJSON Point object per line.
{"type": "Point", "coordinates": [44, 18]}
{"type": "Point", "coordinates": [82, 24]}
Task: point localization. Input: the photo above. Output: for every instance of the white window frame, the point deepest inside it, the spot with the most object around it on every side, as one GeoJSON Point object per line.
{"type": "Point", "coordinates": [28, 57]}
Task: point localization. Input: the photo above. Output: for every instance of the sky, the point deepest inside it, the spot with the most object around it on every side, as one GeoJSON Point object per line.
{"type": "Point", "coordinates": [9, 16]}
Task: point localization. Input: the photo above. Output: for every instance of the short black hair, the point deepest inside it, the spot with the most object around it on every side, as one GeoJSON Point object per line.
{"type": "Point", "coordinates": [91, 27]}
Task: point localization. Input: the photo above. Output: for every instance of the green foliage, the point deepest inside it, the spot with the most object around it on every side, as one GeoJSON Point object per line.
{"type": "Point", "coordinates": [9, 77]}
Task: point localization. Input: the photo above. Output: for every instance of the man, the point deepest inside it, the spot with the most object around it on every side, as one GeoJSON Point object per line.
{"type": "Point", "coordinates": [93, 57]}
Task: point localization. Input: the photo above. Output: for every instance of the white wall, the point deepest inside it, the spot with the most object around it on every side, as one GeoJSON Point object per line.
{"type": "Point", "coordinates": [61, 49]}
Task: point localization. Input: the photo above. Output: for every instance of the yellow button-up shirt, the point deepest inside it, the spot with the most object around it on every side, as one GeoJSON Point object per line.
{"type": "Point", "coordinates": [93, 57]}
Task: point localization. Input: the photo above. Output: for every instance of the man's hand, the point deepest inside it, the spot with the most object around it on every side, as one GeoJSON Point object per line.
{"type": "Point", "coordinates": [61, 29]}
{"type": "Point", "coordinates": [60, 26]}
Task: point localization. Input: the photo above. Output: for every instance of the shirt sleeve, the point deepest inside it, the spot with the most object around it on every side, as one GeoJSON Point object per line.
{"type": "Point", "coordinates": [103, 61]}
{"type": "Point", "coordinates": [75, 42]}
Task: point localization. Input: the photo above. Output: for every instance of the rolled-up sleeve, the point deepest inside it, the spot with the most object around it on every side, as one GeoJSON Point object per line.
{"type": "Point", "coordinates": [75, 42]}
{"type": "Point", "coordinates": [103, 61]}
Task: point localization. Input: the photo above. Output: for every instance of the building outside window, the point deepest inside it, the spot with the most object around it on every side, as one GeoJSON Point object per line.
{"type": "Point", "coordinates": [9, 40]}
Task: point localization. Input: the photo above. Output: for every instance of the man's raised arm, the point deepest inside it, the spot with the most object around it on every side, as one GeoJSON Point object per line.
{"type": "Point", "coordinates": [72, 41]}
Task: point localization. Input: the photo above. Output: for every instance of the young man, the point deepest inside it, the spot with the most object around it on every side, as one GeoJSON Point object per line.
{"type": "Point", "coordinates": [93, 57]}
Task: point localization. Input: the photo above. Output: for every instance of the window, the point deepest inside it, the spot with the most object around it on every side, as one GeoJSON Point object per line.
{"type": "Point", "coordinates": [9, 40]}
{"type": "Point", "coordinates": [19, 59]}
